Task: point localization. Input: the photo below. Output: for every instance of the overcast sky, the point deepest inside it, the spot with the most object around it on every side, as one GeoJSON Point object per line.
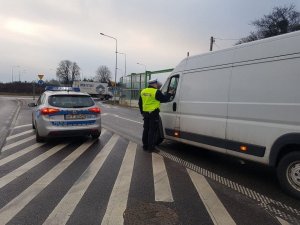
{"type": "Point", "coordinates": [35, 35]}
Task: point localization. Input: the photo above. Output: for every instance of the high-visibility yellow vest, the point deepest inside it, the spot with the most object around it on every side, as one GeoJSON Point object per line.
{"type": "Point", "coordinates": [149, 101]}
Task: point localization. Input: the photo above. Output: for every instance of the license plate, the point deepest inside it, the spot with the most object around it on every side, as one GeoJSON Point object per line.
{"type": "Point", "coordinates": [74, 117]}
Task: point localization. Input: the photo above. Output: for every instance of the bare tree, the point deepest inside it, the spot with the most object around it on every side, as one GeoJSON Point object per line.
{"type": "Point", "coordinates": [103, 74]}
{"type": "Point", "coordinates": [280, 21]}
{"type": "Point", "coordinates": [67, 71]}
{"type": "Point", "coordinates": [75, 71]}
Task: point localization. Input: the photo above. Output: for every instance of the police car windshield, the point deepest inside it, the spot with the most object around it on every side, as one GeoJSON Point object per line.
{"type": "Point", "coordinates": [70, 101]}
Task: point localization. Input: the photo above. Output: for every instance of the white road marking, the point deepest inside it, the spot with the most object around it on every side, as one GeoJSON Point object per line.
{"type": "Point", "coordinates": [19, 134]}
{"type": "Point", "coordinates": [27, 166]}
{"type": "Point", "coordinates": [20, 153]}
{"type": "Point", "coordinates": [20, 201]}
{"type": "Point", "coordinates": [6, 147]}
{"type": "Point", "coordinates": [161, 181]}
{"type": "Point", "coordinates": [25, 125]}
{"type": "Point", "coordinates": [115, 115]}
{"type": "Point", "coordinates": [127, 119]}
{"type": "Point", "coordinates": [282, 221]}
{"type": "Point", "coordinates": [62, 212]}
{"type": "Point", "coordinates": [119, 195]}
{"type": "Point", "coordinates": [214, 206]}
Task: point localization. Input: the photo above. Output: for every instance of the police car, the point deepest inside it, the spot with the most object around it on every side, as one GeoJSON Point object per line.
{"type": "Point", "coordinates": [65, 111]}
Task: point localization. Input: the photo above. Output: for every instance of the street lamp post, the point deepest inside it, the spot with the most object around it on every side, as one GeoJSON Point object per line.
{"type": "Point", "coordinates": [141, 76]}
{"type": "Point", "coordinates": [116, 64]}
{"type": "Point", "coordinates": [125, 63]}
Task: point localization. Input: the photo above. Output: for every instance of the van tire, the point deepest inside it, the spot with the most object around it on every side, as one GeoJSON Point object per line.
{"type": "Point", "coordinates": [288, 173]}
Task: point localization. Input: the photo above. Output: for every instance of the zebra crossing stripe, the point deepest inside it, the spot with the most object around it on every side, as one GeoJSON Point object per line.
{"type": "Point", "coordinates": [20, 153]}
{"type": "Point", "coordinates": [62, 212]}
{"type": "Point", "coordinates": [19, 202]}
{"type": "Point", "coordinates": [119, 196]}
{"type": "Point", "coordinates": [25, 125]}
{"type": "Point", "coordinates": [19, 134]}
{"type": "Point", "coordinates": [214, 206]}
{"type": "Point", "coordinates": [23, 169]}
{"type": "Point", "coordinates": [6, 147]}
{"type": "Point", "coordinates": [161, 181]}
{"type": "Point", "coordinates": [282, 221]}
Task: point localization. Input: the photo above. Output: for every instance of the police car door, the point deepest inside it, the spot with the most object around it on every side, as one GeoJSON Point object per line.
{"type": "Point", "coordinates": [170, 109]}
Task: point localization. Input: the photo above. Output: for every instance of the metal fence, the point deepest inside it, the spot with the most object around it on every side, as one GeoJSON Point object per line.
{"type": "Point", "coordinates": [132, 84]}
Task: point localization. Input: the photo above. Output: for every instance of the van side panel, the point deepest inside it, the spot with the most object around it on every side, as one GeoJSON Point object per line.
{"type": "Point", "coordinates": [203, 102]}
{"type": "Point", "coordinates": [264, 101]}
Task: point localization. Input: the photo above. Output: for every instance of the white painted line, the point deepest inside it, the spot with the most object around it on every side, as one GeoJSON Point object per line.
{"type": "Point", "coordinates": [20, 153]}
{"type": "Point", "coordinates": [20, 201]}
{"type": "Point", "coordinates": [19, 134]}
{"type": "Point", "coordinates": [127, 119]}
{"type": "Point", "coordinates": [27, 166]}
{"type": "Point", "coordinates": [282, 221]}
{"type": "Point", "coordinates": [162, 187]}
{"type": "Point", "coordinates": [115, 115]}
{"type": "Point", "coordinates": [6, 147]}
{"type": "Point", "coordinates": [214, 206]}
{"type": "Point", "coordinates": [118, 199]}
{"type": "Point", "coordinates": [25, 125]}
{"type": "Point", "coordinates": [62, 212]}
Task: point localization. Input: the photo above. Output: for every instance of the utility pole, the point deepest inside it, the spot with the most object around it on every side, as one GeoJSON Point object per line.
{"type": "Point", "coordinates": [212, 40]}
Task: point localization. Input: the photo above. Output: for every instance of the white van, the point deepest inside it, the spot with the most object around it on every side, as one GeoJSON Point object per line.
{"type": "Point", "coordinates": [242, 101]}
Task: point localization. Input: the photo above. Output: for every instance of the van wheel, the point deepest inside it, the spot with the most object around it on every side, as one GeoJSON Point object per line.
{"type": "Point", "coordinates": [288, 172]}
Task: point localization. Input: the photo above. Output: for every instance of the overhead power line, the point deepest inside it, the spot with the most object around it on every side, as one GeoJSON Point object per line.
{"type": "Point", "coordinates": [213, 41]}
{"type": "Point", "coordinates": [227, 39]}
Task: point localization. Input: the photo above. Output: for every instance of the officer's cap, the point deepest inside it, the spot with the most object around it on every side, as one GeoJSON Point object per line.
{"type": "Point", "coordinates": [153, 81]}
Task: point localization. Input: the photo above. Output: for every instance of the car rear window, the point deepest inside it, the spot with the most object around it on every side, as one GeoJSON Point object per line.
{"type": "Point", "coordinates": [70, 101]}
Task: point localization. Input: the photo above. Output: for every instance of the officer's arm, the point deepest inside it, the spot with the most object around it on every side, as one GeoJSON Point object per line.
{"type": "Point", "coordinates": [162, 97]}
{"type": "Point", "coordinates": [141, 105]}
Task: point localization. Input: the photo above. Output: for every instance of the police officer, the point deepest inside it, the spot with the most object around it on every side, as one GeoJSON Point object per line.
{"type": "Point", "coordinates": [149, 103]}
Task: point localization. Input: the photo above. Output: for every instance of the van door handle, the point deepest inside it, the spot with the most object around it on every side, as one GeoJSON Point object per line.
{"type": "Point", "coordinates": [174, 106]}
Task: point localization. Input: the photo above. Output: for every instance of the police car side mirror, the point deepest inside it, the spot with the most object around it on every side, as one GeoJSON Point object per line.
{"type": "Point", "coordinates": [32, 104]}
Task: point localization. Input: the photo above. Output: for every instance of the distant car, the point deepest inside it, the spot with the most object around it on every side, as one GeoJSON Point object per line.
{"type": "Point", "coordinates": [64, 111]}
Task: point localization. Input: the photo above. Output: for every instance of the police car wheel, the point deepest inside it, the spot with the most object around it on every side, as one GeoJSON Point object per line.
{"type": "Point", "coordinates": [288, 172]}
{"type": "Point", "coordinates": [38, 138]}
{"type": "Point", "coordinates": [33, 126]}
{"type": "Point", "coordinates": [95, 135]}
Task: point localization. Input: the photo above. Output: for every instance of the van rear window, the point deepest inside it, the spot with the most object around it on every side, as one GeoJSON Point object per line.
{"type": "Point", "coordinates": [70, 101]}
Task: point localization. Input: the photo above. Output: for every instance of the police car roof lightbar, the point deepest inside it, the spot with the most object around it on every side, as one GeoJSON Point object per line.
{"type": "Point", "coordinates": [53, 88]}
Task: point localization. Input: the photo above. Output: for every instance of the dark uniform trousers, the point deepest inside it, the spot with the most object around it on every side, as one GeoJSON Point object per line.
{"type": "Point", "coordinates": [151, 123]}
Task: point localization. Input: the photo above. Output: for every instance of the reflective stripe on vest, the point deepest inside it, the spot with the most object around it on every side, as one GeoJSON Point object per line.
{"type": "Point", "coordinates": [149, 101]}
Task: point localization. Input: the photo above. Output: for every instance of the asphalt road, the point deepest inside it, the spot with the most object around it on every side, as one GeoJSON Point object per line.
{"type": "Point", "coordinates": [9, 109]}
{"type": "Point", "coordinates": [113, 181]}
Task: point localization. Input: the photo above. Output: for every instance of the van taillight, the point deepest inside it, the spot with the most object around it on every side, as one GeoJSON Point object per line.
{"type": "Point", "coordinates": [95, 110]}
{"type": "Point", "coordinates": [48, 111]}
